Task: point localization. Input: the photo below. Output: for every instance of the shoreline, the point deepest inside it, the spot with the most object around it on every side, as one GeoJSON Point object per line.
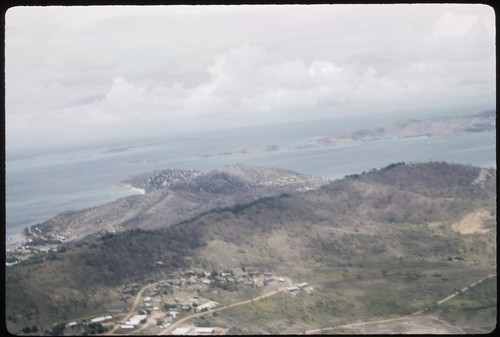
{"type": "Point", "coordinates": [480, 145]}
{"type": "Point", "coordinates": [132, 188]}
{"type": "Point", "coordinates": [15, 240]}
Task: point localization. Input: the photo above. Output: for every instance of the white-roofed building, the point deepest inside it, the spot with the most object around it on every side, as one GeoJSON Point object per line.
{"type": "Point", "coordinates": [136, 320]}
{"type": "Point", "coordinates": [127, 326]}
{"type": "Point", "coordinates": [204, 331]}
{"type": "Point", "coordinates": [180, 331]}
{"type": "Point", "coordinates": [101, 319]}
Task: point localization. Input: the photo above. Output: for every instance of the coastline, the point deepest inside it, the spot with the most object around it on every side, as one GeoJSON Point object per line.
{"type": "Point", "coordinates": [132, 188]}
{"type": "Point", "coordinates": [15, 240]}
{"type": "Point", "coordinates": [471, 148]}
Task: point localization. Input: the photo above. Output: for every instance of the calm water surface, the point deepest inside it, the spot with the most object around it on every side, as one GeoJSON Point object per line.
{"type": "Point", "coordinates": [40, 186]}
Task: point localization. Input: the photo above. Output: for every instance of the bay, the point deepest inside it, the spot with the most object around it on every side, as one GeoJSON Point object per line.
{"type": "Point", "coordinates": [40, 186]}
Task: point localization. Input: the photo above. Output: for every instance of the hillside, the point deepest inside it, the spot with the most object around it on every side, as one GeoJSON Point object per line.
{"type": "Point", "coordinates": [172, 196]}
{"type": "Point", "coordinates": [377, 245]}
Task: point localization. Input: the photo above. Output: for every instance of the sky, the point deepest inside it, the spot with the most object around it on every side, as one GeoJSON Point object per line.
{"type": "Point", "coordinates": [84, 74]}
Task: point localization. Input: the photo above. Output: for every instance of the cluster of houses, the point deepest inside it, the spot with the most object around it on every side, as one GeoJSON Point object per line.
{"type": "Point", "coordinates": [202, 279]}
{"type": "Point", "coordinates": [282, 181]}
{"type": "Point", "coordinates": [164, 296]}
{"type": "Point", "coordinates": [300, 184]}
{"type": "Point", "coordinates": [163, 179]}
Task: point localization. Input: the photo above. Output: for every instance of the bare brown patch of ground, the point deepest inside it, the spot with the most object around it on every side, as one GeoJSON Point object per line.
{"type": "Point", "coordinates": [481, 178]}
{"type": "Point", "coordinates": [473, 222]}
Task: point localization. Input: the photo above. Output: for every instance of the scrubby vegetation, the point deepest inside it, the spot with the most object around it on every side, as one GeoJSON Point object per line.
{"type": "Point", "coordinates": [478, 305]}
{"type": "Point", "coordinates": [58, 283]}
{"type": "Point", "coordinates": [376, 245]}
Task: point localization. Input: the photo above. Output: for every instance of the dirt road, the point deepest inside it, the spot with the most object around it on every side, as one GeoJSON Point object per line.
{"type": "Point", "coordinates": [228, 306]}
{"type": "Point", "coordinates": [133, 309]}
{"type": "Point", "coordinates": [407, 318]}
{"type": "Point", "coordinates": [167, 330]}
{"type": "Point", "coordinates": [410, 320]}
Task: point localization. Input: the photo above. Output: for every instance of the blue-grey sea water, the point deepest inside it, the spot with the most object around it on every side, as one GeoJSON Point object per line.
{"type": "Point", "coordinates": [41, 185]}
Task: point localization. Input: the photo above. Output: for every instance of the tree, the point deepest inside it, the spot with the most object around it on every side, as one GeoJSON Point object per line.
{"type": "Point", "coordinates": [51, 255]}
{"type": "Point", "coordinates": [58, 329]}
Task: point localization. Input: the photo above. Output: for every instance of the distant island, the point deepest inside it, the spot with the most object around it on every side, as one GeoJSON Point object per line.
{"type": "Point", "coordinates": [411, 128]}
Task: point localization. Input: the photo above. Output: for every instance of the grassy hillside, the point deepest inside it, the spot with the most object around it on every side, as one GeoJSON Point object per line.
{"type": "Point", "coordinates": [77, 276]}
{"type": "Point", "coordinates": [375, 245]}
{"type": "Point", "coordinates": [173, 196]}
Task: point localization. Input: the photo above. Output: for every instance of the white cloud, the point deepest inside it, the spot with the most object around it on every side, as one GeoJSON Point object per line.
{"type": "Point", "coordinates": [451, 24]}
{"type": "Point", "coordinates": [92, 70]}
{"type": "Point", "coordinates": [321, 68]}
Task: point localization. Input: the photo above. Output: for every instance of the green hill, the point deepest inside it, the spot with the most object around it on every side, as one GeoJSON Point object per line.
{"type": "Point", "coordinates": [374, 245]}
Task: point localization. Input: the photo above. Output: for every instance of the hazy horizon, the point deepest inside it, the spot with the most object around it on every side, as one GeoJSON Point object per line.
{"type": "Point", "coordinates": [76, 75]}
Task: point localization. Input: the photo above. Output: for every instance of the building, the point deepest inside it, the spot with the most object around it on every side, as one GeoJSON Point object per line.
{"type": "Point", "coordinates": [180, 331]}
{"type": "Point", "coordinates": [204, 331]}
{"type": "Point", "coordinates": [206, 306]}
{"type": "Point", "coordinates": [127, 326]}
{"type": "Point", "coordinates": [101, 319]}
{"type": "Point", "coordinates": [136, 320]}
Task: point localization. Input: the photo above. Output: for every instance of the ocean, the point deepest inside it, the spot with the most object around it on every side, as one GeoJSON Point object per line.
{"type": "Point", "coordinates": [40, 186]}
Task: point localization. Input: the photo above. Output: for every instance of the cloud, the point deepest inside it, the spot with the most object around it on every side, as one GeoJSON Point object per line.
{"type": "Point", "coordinates": [103, 71]}
{"type": "Point", "coordinates": [451, 24]}
{"type": "Point", "coordinates": [322, 68]}
{"type": "Point", "coordinates": [249, 81]}
{"type": "Point", "coordinates": [127, 104]}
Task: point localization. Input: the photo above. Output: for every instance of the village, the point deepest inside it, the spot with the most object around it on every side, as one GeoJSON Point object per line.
{"type": "Point", "coordinates": [160, 305]}
{"type": "Point", "coordinates": [166, 178]}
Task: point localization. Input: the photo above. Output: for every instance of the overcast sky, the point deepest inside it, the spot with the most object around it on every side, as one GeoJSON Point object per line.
{"type": "Point", "coordinates": [87, 73]}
